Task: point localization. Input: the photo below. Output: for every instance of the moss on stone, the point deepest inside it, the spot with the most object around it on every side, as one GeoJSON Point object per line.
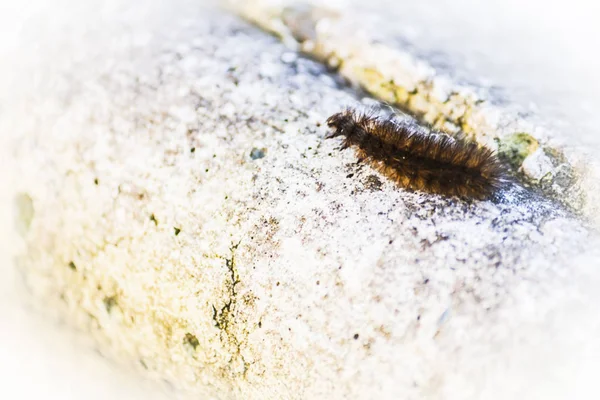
{"type": "Point", "coordinates": [516, 147]}
{"type": "Point", "coordinates": [24, 213]}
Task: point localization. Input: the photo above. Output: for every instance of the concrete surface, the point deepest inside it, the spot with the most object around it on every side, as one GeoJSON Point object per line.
{"type": "Point", "coordinates": [175, 201]}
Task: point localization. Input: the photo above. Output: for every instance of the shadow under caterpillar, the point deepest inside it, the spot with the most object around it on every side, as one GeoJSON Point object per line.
{"type": "Point", "coordinates": [418, 159]}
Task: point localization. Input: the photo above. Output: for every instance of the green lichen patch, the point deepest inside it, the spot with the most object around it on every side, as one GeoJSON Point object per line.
{"type": "Point", "coordinates": [516, 147]}
{"type": "Point", "coordinates": [24, 213]}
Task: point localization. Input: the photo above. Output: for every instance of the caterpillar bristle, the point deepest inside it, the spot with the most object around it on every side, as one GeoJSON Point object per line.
{"type": "Point", "coordinates": [418, 159]}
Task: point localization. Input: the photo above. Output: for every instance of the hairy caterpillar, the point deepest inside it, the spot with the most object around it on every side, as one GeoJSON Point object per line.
{"type": "Point", "coordinates": [417, 159]}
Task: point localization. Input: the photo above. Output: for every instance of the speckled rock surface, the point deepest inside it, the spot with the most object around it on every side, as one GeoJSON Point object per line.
{"type": "Point", "coordinates": [177, 201]}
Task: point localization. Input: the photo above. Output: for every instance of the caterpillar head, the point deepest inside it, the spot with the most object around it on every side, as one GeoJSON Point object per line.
{"type": "Point", "coordinates": [340, 124]}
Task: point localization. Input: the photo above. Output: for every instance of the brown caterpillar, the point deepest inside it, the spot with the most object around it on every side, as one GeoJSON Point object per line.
{"type": "Point", "coordinates": [417, 159]}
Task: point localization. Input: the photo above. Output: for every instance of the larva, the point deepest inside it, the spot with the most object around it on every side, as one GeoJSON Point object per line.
{"type": "Point", "coordinates": [414, 158]}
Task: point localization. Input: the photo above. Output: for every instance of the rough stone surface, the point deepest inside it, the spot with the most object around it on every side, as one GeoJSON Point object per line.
{"type": "Point", "coordinates": [176, 200]}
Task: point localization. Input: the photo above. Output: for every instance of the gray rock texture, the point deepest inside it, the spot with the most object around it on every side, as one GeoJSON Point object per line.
{"type": "Point", "coordinates": [176, 201]}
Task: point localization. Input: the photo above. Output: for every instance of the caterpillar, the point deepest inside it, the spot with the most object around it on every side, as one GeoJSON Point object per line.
{"type": "Point", "coordinates": [419, 159]}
